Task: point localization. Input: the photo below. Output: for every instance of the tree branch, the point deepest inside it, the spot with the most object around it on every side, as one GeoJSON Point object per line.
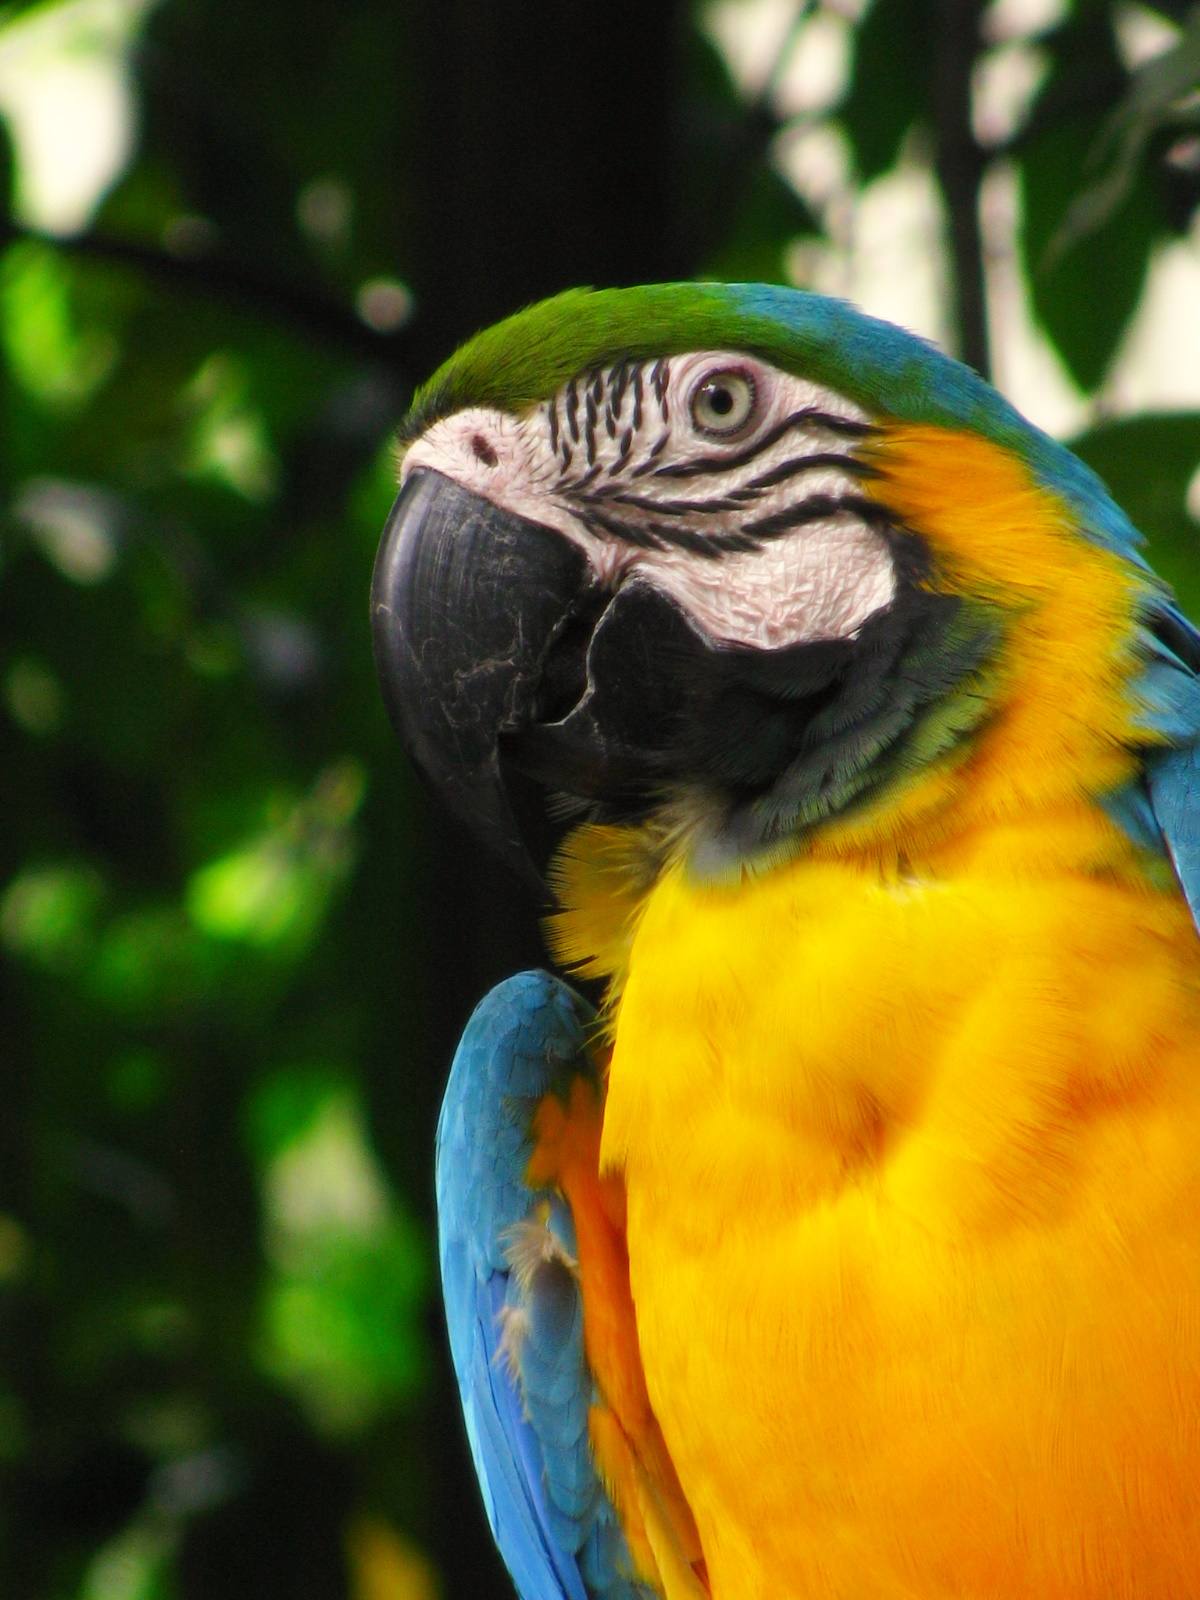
{"type": "Point", "coordinates": [960, 168]}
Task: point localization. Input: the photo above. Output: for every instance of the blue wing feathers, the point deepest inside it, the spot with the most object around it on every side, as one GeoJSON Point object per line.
{"type": "Point", "coordinates": [1169, 701]}
{"type": "Point", "coordinates": [553, 1522]}
{"type": "Point", "coordinates": [1169, 692]}
{"type": "Point", "coordinates": [1130, 808]}
{"type": "Point", "coordinates": [512, 1469]}
{"type": "Point", "coordinates": [1174, 782]}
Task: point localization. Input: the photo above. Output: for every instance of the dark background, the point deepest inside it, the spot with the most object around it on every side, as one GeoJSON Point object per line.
{"type": "Point", "coordinates": [237, 943]}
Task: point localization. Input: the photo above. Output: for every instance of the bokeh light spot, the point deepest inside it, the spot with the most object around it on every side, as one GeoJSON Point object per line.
{"type": "Point", "coordinates": [47, 914]}
{"type": "Point", "coordinates": [34, 697]}
{"type": "Point", "coordinates": [385, 304]}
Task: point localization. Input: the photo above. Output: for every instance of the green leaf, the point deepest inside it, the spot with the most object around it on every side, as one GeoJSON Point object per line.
{"type": "Point", "coordinates": [152, 961]}
{"type": "Point", "coordinates": [136, 1565]}
{"type": "Point", "coordinates": [1152, 101]}
{"type": "Point", "coordinates": [275, 889]}
{"type": "Point", "coordinates": [340, 1315]}
{"type": "Point", "coordinates": [55, 361]}
{"type": "Point", "coordinates": [1085, 290]}
{"type": "Point", "coordinates": [771, 216]}
{"type": "Point", "coordinates": [1148, 463]}
{"type": "Point", "coordinates": [47, 915]}
{"type": "Point", "coordinates": [888, 91]}
{"type": "Point", "coordinates": [1085, 298]}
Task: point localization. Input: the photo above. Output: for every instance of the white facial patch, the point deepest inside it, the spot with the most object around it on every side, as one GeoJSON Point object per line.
{"type": "Point", "coordinates": [759, 531]}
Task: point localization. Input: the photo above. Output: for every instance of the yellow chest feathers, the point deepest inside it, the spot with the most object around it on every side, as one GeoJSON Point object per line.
{"type": "Point", "coordinates": [910, 1131]}
{"type": "Point", "coordinates": [913, 1177]}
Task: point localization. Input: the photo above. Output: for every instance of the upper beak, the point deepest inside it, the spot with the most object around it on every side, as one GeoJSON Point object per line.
{"type": "Point", "coordinates": [466, 602]}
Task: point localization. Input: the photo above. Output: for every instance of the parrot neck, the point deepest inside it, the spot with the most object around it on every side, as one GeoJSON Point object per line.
{"type": "Point", "coordinates": [1049, 736]}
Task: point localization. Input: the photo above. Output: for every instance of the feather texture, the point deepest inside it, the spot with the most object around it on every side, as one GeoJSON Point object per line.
{"type": "Point", "coordinates": [903, 1105]}
{"type": "Point", "coordinates": [513, 1305]}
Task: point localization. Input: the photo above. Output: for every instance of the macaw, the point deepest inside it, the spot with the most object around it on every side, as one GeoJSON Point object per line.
{"type": "Point", "coordinates": [852, 1249]}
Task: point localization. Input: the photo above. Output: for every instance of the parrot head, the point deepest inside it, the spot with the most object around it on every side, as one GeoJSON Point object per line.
{"type": "Point", "coordinates": [746, 563]}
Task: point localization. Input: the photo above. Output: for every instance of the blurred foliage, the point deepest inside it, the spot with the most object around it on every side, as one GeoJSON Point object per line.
{"type": "Point", "coordinates": [235, 948]}
{"type": "Point", "coordinates": [1149, 462]}
{"type": "Point", "coordinates": [339, 1321]}
{"type": "Point", "coordinates": [891, 92]}
{"type": "Point", "coordinates": [1163, 93]}
{"type": "Point", "coordinates": [1084, 291]}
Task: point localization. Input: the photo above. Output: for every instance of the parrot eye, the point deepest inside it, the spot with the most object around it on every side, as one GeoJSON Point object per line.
{"type": "Point", "coordinates": [723, 402]}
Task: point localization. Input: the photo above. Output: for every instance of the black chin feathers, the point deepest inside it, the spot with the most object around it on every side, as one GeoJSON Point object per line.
{"type": "Point", "coordinates": [762, 745]}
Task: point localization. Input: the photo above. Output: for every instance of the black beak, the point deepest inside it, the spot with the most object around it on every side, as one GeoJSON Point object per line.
{"type": "Point", "coordinates": [510, 674]}
{"type": "Point", "coordinates": [466, 602]}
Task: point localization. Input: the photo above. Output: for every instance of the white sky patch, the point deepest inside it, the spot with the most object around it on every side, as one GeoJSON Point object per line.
{"type": "Point", "coordinates": [751, 35]}
{"type": "Point", "coordinates": [1157, 367]}
{"type": "Point", "coordinates": [67, 93]}
{"type": "Point", "coordinates": [384, 304]}
{"type": "Point", "coordinates": [898, 264]}
{"type": "Point", "coordinates": [1025, 365]}
{"type": "Point", "coordinates": [75, 524]}
{"type": "Point", "coordinates": [816, 72]}
{"type": "Point", "coordinates": [1021, 19]}
{"type": "Point", "coordinates": [1005, 82]}
{"type": "Point", "coordinates": [1142, 34]}
{"type": "Point", "coordinates": [815, 158]}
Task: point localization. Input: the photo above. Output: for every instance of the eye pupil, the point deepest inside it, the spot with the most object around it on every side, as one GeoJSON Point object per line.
{"type": "Point", "coordinates": [723, 403]}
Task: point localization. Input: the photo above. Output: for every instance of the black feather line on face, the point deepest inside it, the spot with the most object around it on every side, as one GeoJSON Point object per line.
{"type": "Point", "coordinates": [798, 464]}
{"type": "Point", "coordinates": [599, 523]}
{"type": "Point", "coordinates": [656, 449]}
{"type": "Point", "coordinates": [589, 426]}
{"type": "Point", "coordinates": [619, 381]}
{"type": "Point", "coordinates": [760, 745]}
{"type": "Point", "coordinates": [638, 519]}
{"type": "Point", "coordinates": [616, 495]}
{"type": "Point", "coordinates": [809, 417]}
{"type": "Point", "coordinates": [635, 519]}
{"type": "Point", "coordinates": [817, 508]}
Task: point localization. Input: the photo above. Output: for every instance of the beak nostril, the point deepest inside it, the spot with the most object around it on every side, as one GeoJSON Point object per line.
{"type": "Point", "coordinates": [483, 451]}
